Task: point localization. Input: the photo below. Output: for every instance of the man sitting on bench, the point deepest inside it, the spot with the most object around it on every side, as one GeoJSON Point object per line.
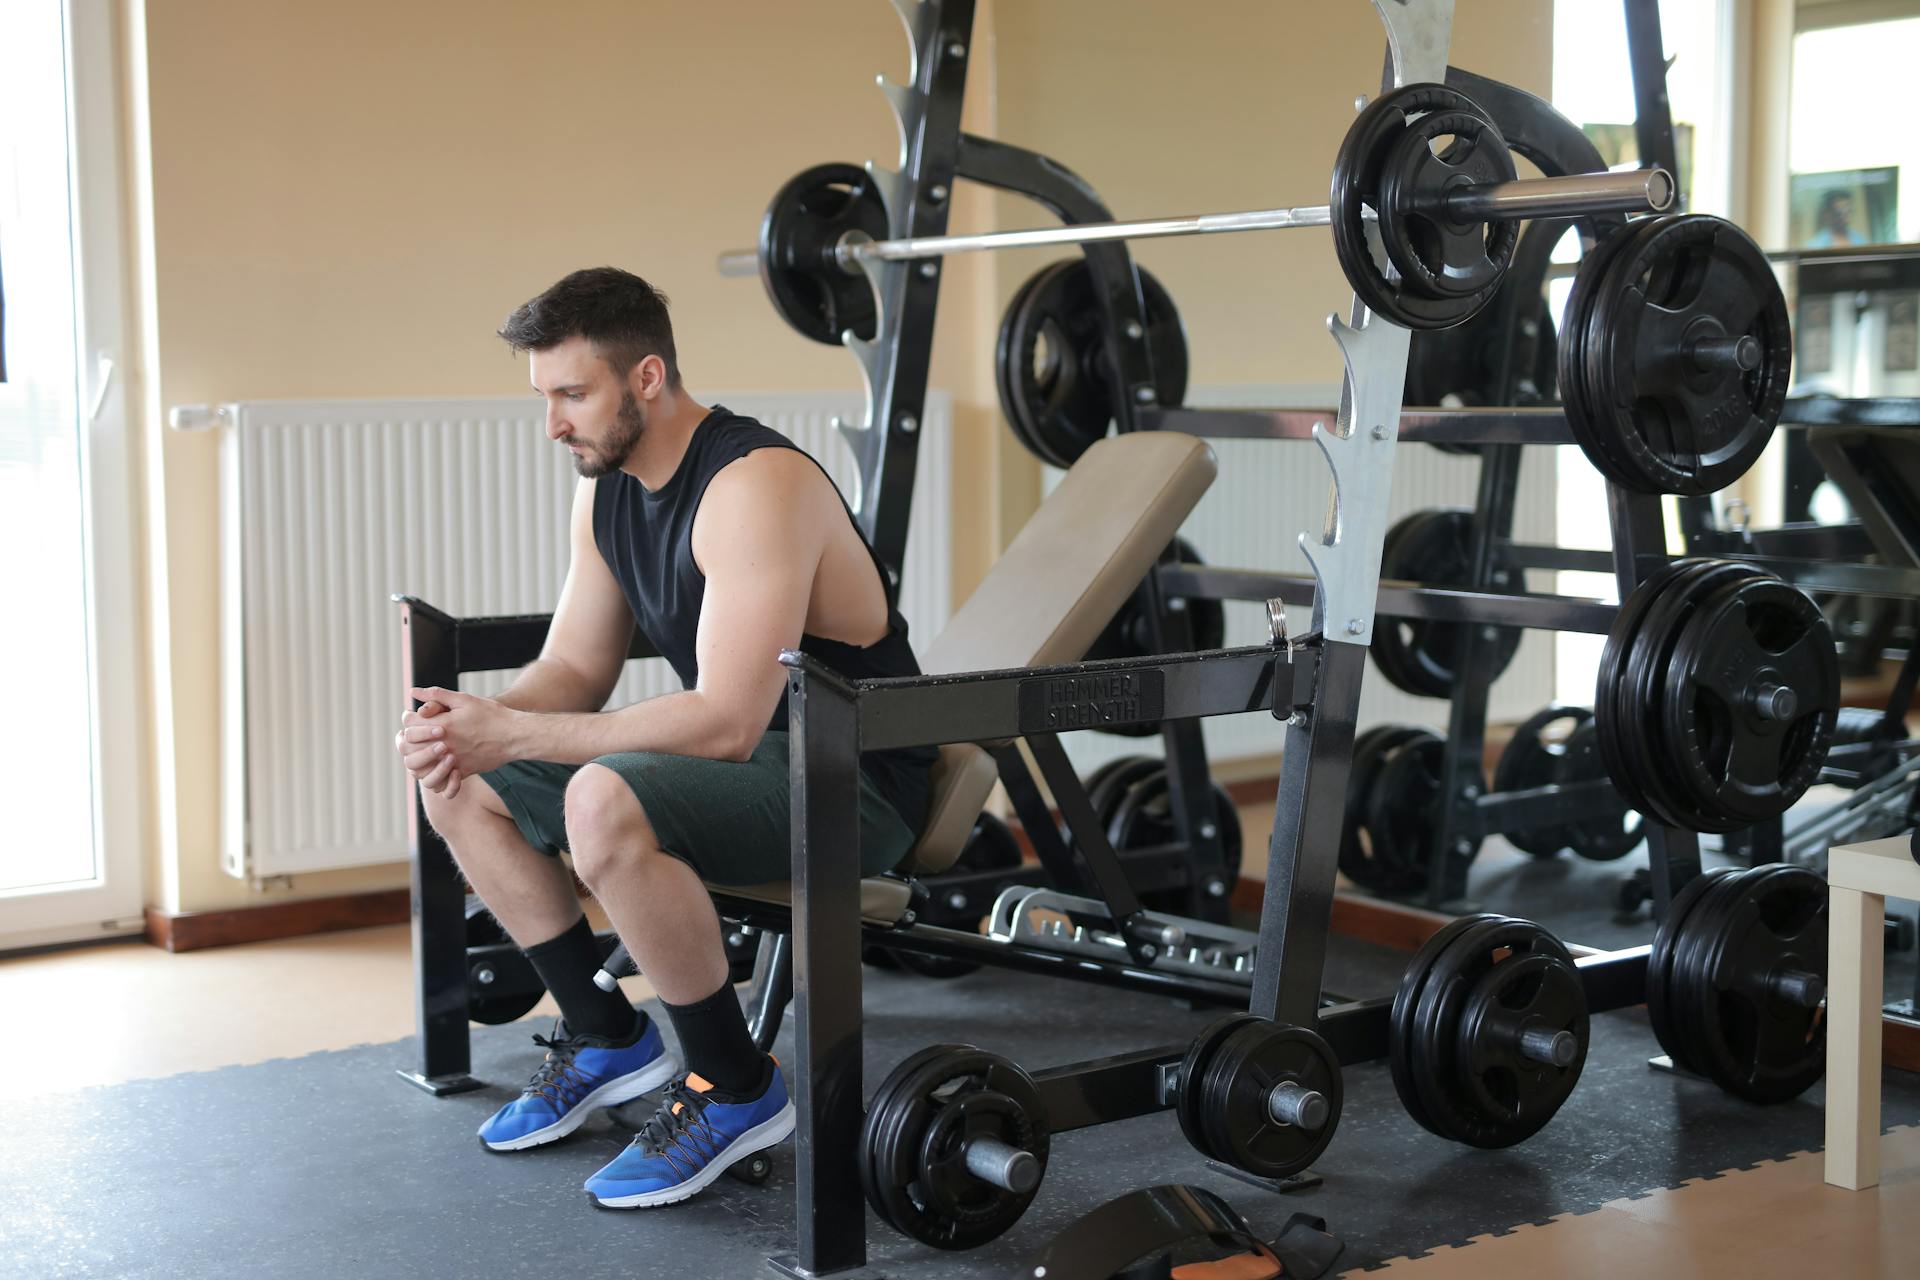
{"type": "Point", "coordinates": [724, 543]}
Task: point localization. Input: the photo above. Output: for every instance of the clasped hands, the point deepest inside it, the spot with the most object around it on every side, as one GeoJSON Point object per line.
{"type": "Point", "coordinates": [454, 735]}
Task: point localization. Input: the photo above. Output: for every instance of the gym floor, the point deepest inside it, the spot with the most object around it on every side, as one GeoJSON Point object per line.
{"type": "Point", "coordinates": [216, 1086]}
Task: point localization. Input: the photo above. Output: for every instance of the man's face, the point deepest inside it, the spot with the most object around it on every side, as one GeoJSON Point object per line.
{"type": "Point", "coordinates": [590, 409]}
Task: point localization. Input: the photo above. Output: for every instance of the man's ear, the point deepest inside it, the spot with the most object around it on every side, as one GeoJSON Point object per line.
{"type": "Point", "coordinates": [648, 378]}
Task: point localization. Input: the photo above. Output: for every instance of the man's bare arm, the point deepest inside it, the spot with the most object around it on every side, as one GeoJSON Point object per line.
{"type": "Point", "coordinates": [759, 538]}
{"type": "Point", "coordinates": [592, 629]}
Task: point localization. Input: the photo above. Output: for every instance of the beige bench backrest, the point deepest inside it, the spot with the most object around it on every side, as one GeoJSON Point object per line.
{"type": "Point", "coordinates": [1065, 576]}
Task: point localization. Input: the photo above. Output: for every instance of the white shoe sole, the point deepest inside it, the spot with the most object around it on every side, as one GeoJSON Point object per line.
{"type": "Point", "coordinates": [767, 1133]}
{"type": "Point", "coordinates": [611, 1094]}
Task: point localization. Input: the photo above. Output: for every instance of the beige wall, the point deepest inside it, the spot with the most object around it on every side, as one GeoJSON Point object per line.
{"type": "Point", "coordinates": [345, 199]}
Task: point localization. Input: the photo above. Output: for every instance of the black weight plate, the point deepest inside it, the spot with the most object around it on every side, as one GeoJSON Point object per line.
{"type": "Point", "coordinates": [1357, 862]}
{"type": "Point", "coordinates": [1706, 924]}
{"type": "Point", "coordinates": [1626, 715]}
{"type": "Point", "coordinates": [1112, 789]}
{"type": "Point", "coordinates": [1450, 975]}
{"type": "Point", "coordinates": [1666, 938]}
{"type": "Point", "coordinates": [1144, 818]}
{"type": "Point", "coordinates": [1440, 256]}
{"type": "Point", "coordinates": [1532, 759]}
{"type": "Point", "coordinates": [1420, 655]}
{"type": "Point", "coordinates": [1466, 1072]}
{"type": "Point", "coordinates": [1684, 427]}
{"type": "Point", "coordinates": [1660, 636]}
{"type": "Point", "coordinates": [991, 846]}
{"type": "Point", "coordinates": [1459, 368]}
{"type": "Point", "coordinates": [1757, 1045]}
{"type": "Point", "coordinates": [1596, 839]}
{"type": "Point", "coordinates": [1243, 1073]}
{"type": "Point", "coordinates": [1051, 366]}
{"type": "Point", "coordinates": [888, 1115]}
{"type": "Point", "coordinates": [1399, 811]}
{"type": "Point", "coordinates": [1581, 332]}
{"type": "Point", "coordinates": [1389, 643]}
{"type": "Point", "coordinates": [1401, 1054]}
{"type": "Point", "coordinates": [913, 1138]}
{"type": "Point", "coordinates": [1188, 1099]}
{"type": "Point", "coordinates": [1366, 851]}
{"type": "Point", "coordinates": [802, 227]}
{"type": "Point", "coordinates": [484, 931]}
{"type": "Point", "coordinates": [1357, 169]}
{"type": "Point", "coordinates": [1738, 766]}
{"type": "Point", "coordinates": [1637, 695]}
{"type": "Point", "coordinates": [1507, 1096]}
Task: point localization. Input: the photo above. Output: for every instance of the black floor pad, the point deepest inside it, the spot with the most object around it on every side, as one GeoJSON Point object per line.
{"type": "Point", "coordinates": [330, 1165]}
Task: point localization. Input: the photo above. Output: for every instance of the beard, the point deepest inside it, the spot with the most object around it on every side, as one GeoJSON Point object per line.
{"type": "Point", "coordinates": [610, 454]}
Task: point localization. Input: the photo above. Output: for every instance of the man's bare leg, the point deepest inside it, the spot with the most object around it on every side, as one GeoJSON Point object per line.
{"type": "Point", "coordinates": [530, 893]}
{"type": "Point", "coordinates": [665, 916]}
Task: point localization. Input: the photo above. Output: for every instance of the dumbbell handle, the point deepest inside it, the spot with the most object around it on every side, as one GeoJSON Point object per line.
{"type": "Point", "coordinates": [618, 964]}
{"type": "Point", "coordinates": [1006, 1166]}
{"type": "Point", "coordinates": [1299, 1106]}
{"type": "Point", "coordinates": [1554, 1048]}
{"type": "Point", "coordinates": [1797, 986]}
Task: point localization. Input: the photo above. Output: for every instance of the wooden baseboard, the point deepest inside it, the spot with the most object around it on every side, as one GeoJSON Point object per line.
{"type": "Point", "coordinates": [192, 930]}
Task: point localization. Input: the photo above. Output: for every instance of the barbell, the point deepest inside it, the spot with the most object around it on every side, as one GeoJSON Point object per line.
{"type": "Point", "coordinates": [1423, 171]}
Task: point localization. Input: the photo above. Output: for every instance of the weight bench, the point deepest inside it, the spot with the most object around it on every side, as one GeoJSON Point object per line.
{"type": "Point", "coordinates": [1053, 590]}
{"type": "Point", "coordinates": [1066, 574]}
{"type": "Point", "coordinates": [1042, 604]}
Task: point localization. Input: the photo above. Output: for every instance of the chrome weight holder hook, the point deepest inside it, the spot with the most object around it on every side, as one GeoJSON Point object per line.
{"type": "Point", "coordinates": [1345, 558]}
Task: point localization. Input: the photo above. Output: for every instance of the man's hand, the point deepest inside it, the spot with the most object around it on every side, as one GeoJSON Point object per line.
{"type": "Point", "coordinates": [423, 750]}
{"type": "Point", "coordinates": [478, 733]}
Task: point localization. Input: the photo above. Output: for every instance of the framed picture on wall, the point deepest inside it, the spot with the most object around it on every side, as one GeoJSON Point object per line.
{"type": "Point", "coordinates": [1844, 207]}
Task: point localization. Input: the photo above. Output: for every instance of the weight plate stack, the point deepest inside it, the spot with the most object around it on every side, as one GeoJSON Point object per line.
{"type": "Point", "coordinates": [1459, 368]}
{"type": "Point", "coordinates": [1736, 978]}
{"type": "Point", "coordinates": [1401, 803]}
{"type": "Point", "coordinates": [1419, 655]}
{"type": "Point", "coordinates": [1488, 1031]}
{"type": "Point", "coordinates": [1531, 759]}
{"type": "Point", "coordinates": [1361, 859]}
{"type": "Point", "coordinates": [1143, 818]}
{"type": "Point", "coordinates": [1051, 365]}
{"type": "Point", "coordinates": [914, 1144]}
{"type": "Point", "coordinates": [1261, 1096]}
{"type": "Point", "coordinates": [1612, 835]}
{"type": "Point", "coordinates": [1675, 355]}
{"type": "Point", "coordinates": [802, 228]}
{"type": "Point", "coordinates": [1449, 268]}
{"type": "Point", "coordinates": [1717, 696]}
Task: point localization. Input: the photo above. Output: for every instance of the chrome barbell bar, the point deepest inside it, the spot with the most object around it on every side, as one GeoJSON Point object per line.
{"type": "Point", "coordinates": [1633, 191]}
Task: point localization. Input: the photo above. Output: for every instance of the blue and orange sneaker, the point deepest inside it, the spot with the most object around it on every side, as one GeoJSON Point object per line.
{"type": "Point", "coordinates": [690, 1141]}
{"type": "Point", "coordinates": [580, 1074]}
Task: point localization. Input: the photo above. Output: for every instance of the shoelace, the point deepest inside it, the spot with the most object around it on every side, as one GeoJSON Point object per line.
{"type": "Point", "coordinates": [679, 1133]}
{"type": "Point", "coordinates": [558, 1078]}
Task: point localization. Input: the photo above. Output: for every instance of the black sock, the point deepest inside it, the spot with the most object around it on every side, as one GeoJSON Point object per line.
{"type": "Point", "coordinates": [567, 965]}
{"type": "Point", "coordinates": [713, 1037]}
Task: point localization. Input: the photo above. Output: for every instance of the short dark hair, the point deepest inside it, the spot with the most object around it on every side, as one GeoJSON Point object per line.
{"type": "Point", "coordinates": [623, 316]}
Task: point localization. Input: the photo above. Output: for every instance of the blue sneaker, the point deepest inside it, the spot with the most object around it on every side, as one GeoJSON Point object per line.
{"type": "Point", "coordinates": [580, 1073]}
{"type": "Point", "coordinates": [689, 1142]}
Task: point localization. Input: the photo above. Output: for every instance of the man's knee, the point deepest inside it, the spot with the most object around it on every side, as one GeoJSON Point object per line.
{"type": "Point", "coordinates": [606, 824]}
{"type": "Point", "coordinates": [448, 813]}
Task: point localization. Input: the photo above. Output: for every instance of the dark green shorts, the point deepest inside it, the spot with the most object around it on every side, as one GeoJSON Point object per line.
{"type": "Point", "coordinates": [728, 820]}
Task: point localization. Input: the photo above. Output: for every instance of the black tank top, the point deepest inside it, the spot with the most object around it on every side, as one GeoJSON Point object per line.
{"type": "Point", "coordinates": [646, 537]}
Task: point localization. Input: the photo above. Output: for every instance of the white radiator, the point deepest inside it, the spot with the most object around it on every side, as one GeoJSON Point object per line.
{"type": "Point", "coordinates": [330, 507]}
{"type": "Point", "coordinates": [1267, 493]}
